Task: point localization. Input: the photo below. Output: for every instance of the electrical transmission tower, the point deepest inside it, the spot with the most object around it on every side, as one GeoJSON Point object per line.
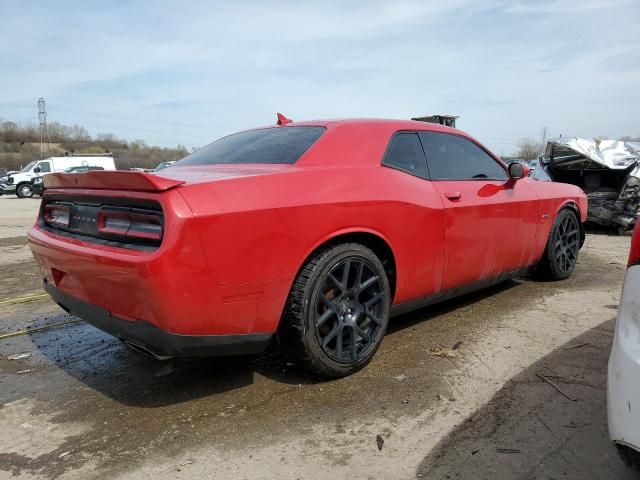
{"type": "Point", "coordinates": [44, 131]}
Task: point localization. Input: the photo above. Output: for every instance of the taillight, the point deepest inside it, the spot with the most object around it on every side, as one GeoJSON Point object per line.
{"type": "Point", "coordinates": [130, 225]}
{"type": "Point", "coordinates": [56, 215]}
{"type": "Point", "coordinates": [145, 227]}
{"type": "Point", "coordinates": [138, 226]}
{"type": "Point", "coordinates": [113, 223]}
{"type": "Point", "coordinates": [634, 256]}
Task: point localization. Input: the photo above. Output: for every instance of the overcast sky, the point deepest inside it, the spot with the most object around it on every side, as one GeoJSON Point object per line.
{"type": "Point", "coordinates": [187, 72]}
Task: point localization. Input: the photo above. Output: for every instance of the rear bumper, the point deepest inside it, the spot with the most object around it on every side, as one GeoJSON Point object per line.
{"type": "Point", "coordinates": [623, 383]}
{"type": "Point", "coordinates": [170, 288]}
{"type": "Point", "coordinates": [156, 341]}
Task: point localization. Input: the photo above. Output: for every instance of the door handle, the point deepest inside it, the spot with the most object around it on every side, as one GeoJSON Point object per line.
{"type": "Point", "coordinates": [453, 195]}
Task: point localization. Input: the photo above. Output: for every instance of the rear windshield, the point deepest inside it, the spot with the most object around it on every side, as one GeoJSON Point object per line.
{"type": "Point", "coordinates": [268, 145]}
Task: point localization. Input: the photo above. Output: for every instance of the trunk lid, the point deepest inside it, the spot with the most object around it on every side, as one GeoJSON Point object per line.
{"type": "Point", "coordinates": [166, 179]}
{"type": "Point", "coordinates": [191, 175]}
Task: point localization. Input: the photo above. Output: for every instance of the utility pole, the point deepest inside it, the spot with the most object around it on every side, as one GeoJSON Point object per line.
{"type": "Point", "coordinates": [42, 117]}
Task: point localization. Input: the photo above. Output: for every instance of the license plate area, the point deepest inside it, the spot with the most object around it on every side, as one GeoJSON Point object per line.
{"type": "Point", "coordinates": [115, 222]}
{"type": "Point", "coordinates": [83, 219]}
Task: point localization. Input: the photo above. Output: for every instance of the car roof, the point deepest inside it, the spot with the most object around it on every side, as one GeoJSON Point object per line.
{"type": "Point", "coordinates": [379, 122]}
{"type": "Point", "coordinates": [356, 141]}
{"type": "Point", "coordinates": [359, 140]}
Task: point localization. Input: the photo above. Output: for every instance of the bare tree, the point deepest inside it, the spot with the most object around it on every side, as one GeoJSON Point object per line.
{"type": "Point", "coordinates": [107, 138]}
{"type": "Point", "coordinates": [79, 134]}
{"type": "Point", "coordinates": [9, 131]}
{"type": "Point", "coordinates": [529, 149]}
{"type": "Point", "coordinates": [19, 145]}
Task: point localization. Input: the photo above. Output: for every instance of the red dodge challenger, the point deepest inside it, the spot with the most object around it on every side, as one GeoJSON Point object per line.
{"type": "Point", "coordinates": [314, 232]}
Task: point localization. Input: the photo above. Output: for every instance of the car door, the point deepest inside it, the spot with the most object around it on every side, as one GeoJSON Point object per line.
{"type": "Point", "coordinates": [420, 249]}
{"type": "Point", "coordinates": [490, 219]}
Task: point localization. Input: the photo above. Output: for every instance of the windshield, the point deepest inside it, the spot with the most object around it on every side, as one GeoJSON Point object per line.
{"type": "Point", "coordinates": [267, 146]}
{"type": "Point", "coordinates": [28, 167]}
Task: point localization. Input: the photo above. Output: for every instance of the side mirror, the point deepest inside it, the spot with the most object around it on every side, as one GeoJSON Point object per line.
{"type": "Point", "coordinates": [518, 170]}
{"type": "Point", "coordinates": [36, 170]}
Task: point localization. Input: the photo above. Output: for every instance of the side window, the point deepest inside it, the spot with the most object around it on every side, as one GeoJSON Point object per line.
{"type": "Point", "coordinates": [45, 167]}
{"type": "Point", "coordinates": [451, 157]}
{"type": "Point", "coordinates": [405, 153]}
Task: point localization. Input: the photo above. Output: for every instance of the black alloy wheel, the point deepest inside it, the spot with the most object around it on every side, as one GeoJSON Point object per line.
{"type": "Point", "coordinates": [567, 244]}
{"type": "Point", "coordinates": [561, 252]}
{"type": "Point", "coordinates": [349, 309]}
{"type": "Point", "coordinates": [338, 310]}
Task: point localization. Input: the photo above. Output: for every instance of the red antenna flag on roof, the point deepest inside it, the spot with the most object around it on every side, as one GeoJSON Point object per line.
{"type": "Point", "coordinates": [282, 120]}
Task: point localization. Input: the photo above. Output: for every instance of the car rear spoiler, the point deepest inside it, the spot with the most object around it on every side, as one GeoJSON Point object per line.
{"type": "Point", "coordinates": [106, 180]}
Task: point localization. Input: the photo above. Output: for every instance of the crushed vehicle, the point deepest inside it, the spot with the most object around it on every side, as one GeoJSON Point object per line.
{"type": "Point", "coordinates": [607, 170]}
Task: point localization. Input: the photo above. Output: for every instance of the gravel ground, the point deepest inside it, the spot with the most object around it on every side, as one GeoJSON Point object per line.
{"type": "Point", "coordinates": [83, 406]}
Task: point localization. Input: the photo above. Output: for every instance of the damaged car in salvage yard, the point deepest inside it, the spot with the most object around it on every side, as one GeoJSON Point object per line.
{"type": "Point", "coordinates": [311, 233]}
{"type": "Point", "coordinates": [607, 170]}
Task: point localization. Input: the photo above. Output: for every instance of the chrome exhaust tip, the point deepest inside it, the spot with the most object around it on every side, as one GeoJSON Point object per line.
{"type": "Point", "coordinates": [146, 351]}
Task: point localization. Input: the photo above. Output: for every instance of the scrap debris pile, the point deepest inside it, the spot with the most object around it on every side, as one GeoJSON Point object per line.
{"type": "Point", "coordinates": [607, 170]}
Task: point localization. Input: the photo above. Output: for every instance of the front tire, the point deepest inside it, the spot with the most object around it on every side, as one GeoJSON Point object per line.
{"type": "Point", "coordinates": [24, 190]}
{"type": "Point", "coordinates": [338, 310]}
{"type": "Point", "coordinates": [561, 253]}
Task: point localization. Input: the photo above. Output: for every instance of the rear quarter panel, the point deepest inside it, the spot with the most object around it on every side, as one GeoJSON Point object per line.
{"type": "Point", "coordinates": [262, 228]}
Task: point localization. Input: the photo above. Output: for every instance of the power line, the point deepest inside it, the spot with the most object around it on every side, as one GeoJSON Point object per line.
{"type": "Point", "coordinates": [119, 116]}
{"type": "Point", "coordinates": [151, 135]}
{"type": "Point", "coordinates": [136, 119]}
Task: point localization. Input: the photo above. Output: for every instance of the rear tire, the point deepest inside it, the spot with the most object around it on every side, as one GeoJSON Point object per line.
{"type": "Point", "coordinates": [561, 252]}
{"type": "Point", "coordinates": [337, 311]}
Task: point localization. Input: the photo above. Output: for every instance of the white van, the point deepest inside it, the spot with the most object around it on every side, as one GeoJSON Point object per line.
{"type": "Point", "coordinates": [20, 183]}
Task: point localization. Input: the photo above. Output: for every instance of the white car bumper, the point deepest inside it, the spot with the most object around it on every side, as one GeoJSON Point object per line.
{"type": "Point", "coordinates": [623, 390]}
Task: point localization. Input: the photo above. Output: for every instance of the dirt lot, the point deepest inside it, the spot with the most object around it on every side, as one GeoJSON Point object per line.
{"type": "Point", "coordinates": [82, 405]}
